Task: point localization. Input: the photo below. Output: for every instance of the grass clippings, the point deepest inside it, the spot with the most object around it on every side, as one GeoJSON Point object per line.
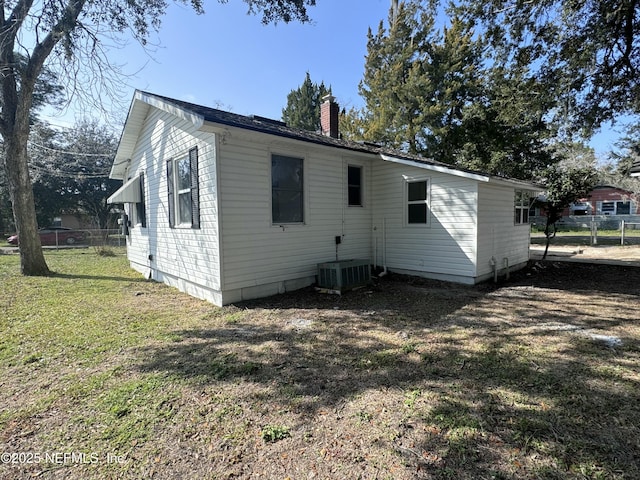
{"type": "Point", "coordinates": [106, 375]}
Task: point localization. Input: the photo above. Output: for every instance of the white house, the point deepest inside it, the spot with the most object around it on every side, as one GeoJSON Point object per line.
{"type": "Point", "coordinates": [228, 207]}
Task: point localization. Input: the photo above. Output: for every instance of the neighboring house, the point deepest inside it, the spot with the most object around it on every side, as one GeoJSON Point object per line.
{"type": "Point", "coordinates": [605, 200]}
{"type": "Point", "coordinates": [635, 169]}
{"type": "Point", "coordinates": [71, 220]}
{"type": "Point", "coordinates": [228, 207]}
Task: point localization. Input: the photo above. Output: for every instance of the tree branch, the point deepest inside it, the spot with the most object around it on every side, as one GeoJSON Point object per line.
{"type": "Point", "coordinates": [41, 51]}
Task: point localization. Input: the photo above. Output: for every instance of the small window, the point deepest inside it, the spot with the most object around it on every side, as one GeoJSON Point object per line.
{"type": "Point", "coordinates": [417, 202]}
{"type": "Point", "coordinates": [521, 207]}
{"type": "Point", "coordinates": [183, 189]}
{"type": "Point", "coordinates": [608, 208]}
{"type": "Point", "coordinates": [623, 208]}
{"type": "Point", "coordinates": [141, 214]}
{"type": "Point", "coordinates": [354, 185]}
{"type": "Point", "coordinates": [287, 181]}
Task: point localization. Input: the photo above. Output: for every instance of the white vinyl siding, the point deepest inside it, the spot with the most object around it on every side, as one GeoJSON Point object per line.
{"type": "Point", "coordinates": [498, 237]}
{"type": "Point", "coordinates": [265, 257]}
{"type": "Point", "coordinates": [185, 258]}
{"type": "Point", "coordinates": [445, 248]}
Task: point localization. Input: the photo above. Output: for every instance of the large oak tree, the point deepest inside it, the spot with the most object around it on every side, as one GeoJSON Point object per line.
{"type": "Point", "coordinates": [70, 34]}
{"type": "Point", "coordinates": [587, 51]}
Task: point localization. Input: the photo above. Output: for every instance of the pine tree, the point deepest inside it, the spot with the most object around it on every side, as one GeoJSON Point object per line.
{"type": "Point", "coordinates": [303, 105]}
{"type": "Point", "coordinates": [433, 93]}
{"type": "Point", "coordinates": [418, 81]}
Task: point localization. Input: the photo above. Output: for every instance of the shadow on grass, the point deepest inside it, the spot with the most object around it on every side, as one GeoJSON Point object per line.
{"type": "Point", "coordinates": [75, 276]}
{"type": "Point", "coordinates": [495, 399]}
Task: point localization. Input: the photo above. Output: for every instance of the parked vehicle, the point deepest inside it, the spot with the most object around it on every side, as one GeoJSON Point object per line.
{"type": "Point", "coordinates": [55, 236]}
{"type": "Point", "coordinates": [580, 208]}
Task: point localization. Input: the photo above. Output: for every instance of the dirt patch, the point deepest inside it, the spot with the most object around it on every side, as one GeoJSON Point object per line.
{"type": "Point", "coordinates": [406, 379]}
{"type": "Point", "coordinates": [600, 253]}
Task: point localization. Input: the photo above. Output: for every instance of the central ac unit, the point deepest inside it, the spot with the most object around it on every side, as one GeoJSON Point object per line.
{"type": "Point", "coordinates": [343, 275]}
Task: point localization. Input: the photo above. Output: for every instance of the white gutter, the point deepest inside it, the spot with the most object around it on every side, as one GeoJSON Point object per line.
{"type": "Point", "coordinates": [505, 182]}
{"type": "Point", "coordinates": [435, 168]}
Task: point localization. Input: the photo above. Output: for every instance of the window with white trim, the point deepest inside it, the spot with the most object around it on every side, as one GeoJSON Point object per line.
{"type": "Point", "coordinates": [521, 207]}
{"type": "Point", "coordinates": [183, 190]}
{"type": "Point", "coordinates": [287, 189]}
{"type": "Point", "coordinates": [140, 207]}
{"type": "Point", "coordinates": [620, 207]}
{"type": "Point", "coordinates": [417, 202]}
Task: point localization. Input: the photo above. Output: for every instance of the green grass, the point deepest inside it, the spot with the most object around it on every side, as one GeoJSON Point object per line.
{"type": "Point", "coordinates": [401, 380]}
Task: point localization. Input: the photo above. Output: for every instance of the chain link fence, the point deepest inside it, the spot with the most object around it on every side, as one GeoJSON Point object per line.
{"type": "Point", "coordinates": [592, 229]}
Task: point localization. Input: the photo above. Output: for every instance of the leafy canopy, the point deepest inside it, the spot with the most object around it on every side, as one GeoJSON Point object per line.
{"type": "Point", "coordinates": [72, 38]}
{"type": "Point", "coordinates": [588, 52]}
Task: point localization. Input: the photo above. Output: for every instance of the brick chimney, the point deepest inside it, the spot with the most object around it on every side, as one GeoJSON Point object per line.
{"type": "Point", "coordinates": [329, 111]}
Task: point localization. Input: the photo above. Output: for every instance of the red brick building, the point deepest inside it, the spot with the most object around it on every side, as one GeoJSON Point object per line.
{"type": "Point", "coordinates": [606, 200]}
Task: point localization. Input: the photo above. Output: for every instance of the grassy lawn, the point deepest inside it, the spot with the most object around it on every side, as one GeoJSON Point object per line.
{"type": "Point", "coordinates": [106, 375]}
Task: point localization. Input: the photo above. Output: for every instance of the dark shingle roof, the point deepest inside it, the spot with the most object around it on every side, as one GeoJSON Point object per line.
{"type": "Point", "coordinates": [274, 127]}
{"type": "Point", "coordinates": [266, 125]}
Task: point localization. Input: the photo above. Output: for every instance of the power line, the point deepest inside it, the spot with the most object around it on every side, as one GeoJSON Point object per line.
{"type": "Point", "coordinates": [66, 152]}
{"type": "Point", "coordinates": [63, 174]}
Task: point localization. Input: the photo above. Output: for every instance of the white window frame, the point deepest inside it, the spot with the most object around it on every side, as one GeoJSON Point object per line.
{"type": "Point", "coordinates": [600, 205]}
{"type": "Point", "coordinates": [179, 223]}
{"type": "Point", "coordinates": [407, 180]}
{"type": "Point", "coordinates": [521, 206]}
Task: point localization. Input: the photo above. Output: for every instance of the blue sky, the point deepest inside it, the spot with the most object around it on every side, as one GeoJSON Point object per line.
{"type": "Point", "coordinates": [229, 60]}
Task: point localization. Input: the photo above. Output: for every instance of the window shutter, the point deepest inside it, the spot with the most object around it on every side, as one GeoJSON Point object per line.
{"type": "Point", "coordinates": [195, 190]}
{"type": "Point", "coordinates": [172, 205]}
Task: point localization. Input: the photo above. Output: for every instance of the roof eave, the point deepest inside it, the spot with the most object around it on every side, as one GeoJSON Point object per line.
{"type": "Point", "coordinates": [479, 177]}
{"type": "Point", "coordinates": [138, 112]}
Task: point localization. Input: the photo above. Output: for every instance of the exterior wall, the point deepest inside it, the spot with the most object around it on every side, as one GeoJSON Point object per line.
{"type": "Point", "coordinates": [262, 259]}
{"type": "Point", "coordinates": [184, 258]}
{"type": "Point", "coordinates": [498, 236]}
{"type": "Point", "coordinates": [446, 247]}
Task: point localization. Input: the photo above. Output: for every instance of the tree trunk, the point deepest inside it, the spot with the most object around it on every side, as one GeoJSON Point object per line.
{"type": "Point", "coordinates": [32, 260]}
{"type": "Point", "coordinates": [549, 232]}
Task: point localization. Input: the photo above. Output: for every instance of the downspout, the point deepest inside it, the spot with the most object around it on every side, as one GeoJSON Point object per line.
{"type": "Point", "coordinates": [494, 266]}
{"type": "Point", "coordinates": [375, 251]}
{"type": "Point", "coordinates": [384, 248]}
{"type": "Point", "coordinates": [505, 261]}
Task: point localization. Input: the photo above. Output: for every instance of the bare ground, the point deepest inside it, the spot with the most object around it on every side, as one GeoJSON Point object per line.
{"type": "Point", "coordinates": [537, 377]}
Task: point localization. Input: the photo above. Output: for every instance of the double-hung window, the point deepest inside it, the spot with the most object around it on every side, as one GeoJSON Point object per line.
{"type": "Point", "coordinates": [183, 189]}
{"type": "Point", "coordinates": [417, 202]}
{"type": "Point", "coordinates": [521, 207]}
{"type": "Point", "coordinates": [287, 189]}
